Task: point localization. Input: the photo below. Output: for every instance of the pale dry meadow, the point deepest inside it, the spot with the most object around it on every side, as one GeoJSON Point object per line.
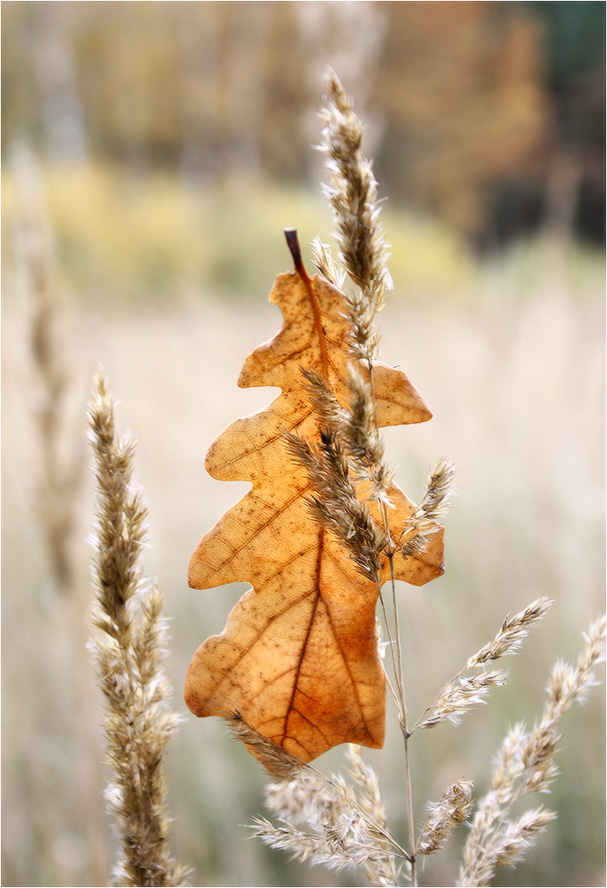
{"type": "Point", "coordinates": [510, 359]}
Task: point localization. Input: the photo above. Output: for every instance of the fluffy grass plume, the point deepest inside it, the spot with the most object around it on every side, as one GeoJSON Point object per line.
{"type": "Point", "coordinates": [323, 819]}
{"type": "Point", "coordinates": [352, 194]}
{"type": "Point", "coordinates": [128, 650]}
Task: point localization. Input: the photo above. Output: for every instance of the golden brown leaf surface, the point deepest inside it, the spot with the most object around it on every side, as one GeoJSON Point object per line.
{"type": "Point", "coordinates": [298, 658]}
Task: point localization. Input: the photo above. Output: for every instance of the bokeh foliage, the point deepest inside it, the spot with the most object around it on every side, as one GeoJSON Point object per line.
{"type": "Point", "coordinates": [488, 114]}
{"type": "Point", "coordinates": [174, 141]}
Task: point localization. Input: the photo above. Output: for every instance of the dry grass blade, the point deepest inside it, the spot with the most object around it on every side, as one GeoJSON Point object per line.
{"type": "Point", "coordinates": [130, 661]}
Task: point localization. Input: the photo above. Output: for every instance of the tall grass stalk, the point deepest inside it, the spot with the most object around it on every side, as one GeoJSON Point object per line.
{"type": "Point", "coordinates": [349, 450]}
{"type": "Point", "coordinates": [57, 478]}
{"type": "Point", "coordinates": [130, 657]}
{"type": "Point", "coordinates": [59, 470]}
{"type": "Point", "coordinates": [363, 254]}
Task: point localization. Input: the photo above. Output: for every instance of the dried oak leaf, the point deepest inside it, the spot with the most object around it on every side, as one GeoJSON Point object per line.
{"type": "Point", "coordinates": [298, 658]}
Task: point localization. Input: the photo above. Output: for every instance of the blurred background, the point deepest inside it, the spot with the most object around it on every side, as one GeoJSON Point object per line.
{"type": "Point", "coordinates": [153, 152]}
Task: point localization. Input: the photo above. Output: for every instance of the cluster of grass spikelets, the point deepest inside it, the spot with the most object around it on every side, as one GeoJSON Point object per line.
{"type": "Point", "coordinates": [129, 651]}
{"type": "Point", "coordinates": [525, 765]}
{"type": "Point", "coordinates": [344, 828]}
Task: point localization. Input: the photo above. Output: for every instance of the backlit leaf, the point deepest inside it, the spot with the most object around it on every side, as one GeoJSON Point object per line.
{"type": "Point", "coordinates": [298, 658]}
